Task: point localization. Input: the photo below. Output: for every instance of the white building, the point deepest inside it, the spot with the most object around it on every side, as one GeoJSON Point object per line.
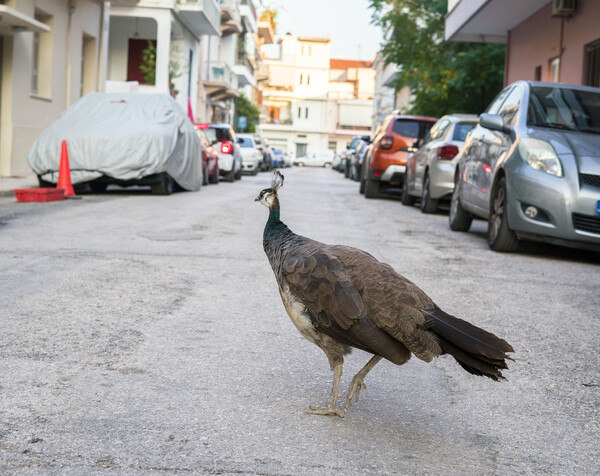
{"type": "Point", "coordinates": [51, 53]}
{"type": "Point", "coordinates": [175, 29]}
{"type": "Point", "coordinates": [313, 103]}
{"type": "Point", "coordinates": [386, 98]}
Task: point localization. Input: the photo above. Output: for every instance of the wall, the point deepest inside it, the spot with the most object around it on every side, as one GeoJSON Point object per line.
{"type": "Point", "coordinates": [537, 40]}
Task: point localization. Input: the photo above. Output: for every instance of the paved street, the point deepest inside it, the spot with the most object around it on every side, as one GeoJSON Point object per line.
{"type": "Point", "coordinates": [145, 332]}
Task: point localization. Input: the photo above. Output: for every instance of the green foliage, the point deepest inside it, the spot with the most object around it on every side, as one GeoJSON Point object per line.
{"type": "Point", "coordinates": [444, 77]}
{"type": "Point", "coordinates": [247, 108]}
{"type": "Point", "coordinates": [269, 14]}
{"type": "Point", "coordinates": [148, 66]}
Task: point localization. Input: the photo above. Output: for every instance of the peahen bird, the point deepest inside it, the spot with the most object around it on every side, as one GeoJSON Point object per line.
{"type": "Point", "coordinates": [341, 297]}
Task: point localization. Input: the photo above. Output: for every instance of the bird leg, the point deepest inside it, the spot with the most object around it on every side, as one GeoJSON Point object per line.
{"type": "Point", "coordinates": [357, 383]}
{"type": "Point", "coordinates": [332, 408]}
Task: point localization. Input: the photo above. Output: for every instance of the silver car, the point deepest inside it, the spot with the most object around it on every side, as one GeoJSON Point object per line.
{"type": "Point", "coordinates": [430, 170]}
{"type": "Point", "coordinates": [531, 167]}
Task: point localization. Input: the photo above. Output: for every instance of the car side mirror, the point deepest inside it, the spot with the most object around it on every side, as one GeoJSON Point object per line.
{"type": "Point", "coordinates": [367, 139]}
{"type": "Point", "coordinates": [494, 122]}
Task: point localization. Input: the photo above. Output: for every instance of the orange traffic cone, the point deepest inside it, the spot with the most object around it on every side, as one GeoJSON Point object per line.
{"type": "Point", "coordinates": [64, 172]}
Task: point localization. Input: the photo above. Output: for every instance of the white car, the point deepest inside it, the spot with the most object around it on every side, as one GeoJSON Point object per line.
{"type": "Point", "coordinates": [251, 154]}
{"type": "Point", "coordinates": [319, 159]}
{"type": "Point", "coordinates": [223, 139]}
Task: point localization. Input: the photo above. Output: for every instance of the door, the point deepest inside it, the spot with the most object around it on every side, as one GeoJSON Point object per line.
{"type": "Point", "coordinates": [494, 146]}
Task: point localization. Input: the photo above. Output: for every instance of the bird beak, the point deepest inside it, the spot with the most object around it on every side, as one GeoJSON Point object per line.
{"type": "Point", "coordinates": [257, 199]}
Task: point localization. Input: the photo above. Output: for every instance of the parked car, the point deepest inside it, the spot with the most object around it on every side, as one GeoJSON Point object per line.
{"type": "Point", "coordinates": [278, 160]}
{"type": "Point", "coordinates": [266, 161]}
{"type": "Point", "coordinates": [210, 158]}
{"type": "Point", "coordinates": [357, 158]}
{"type": "Point", "coordinates": [350, 150]}
{"type": "Point", "coordinates": [124, 139]}
{"type": "Point", "coordinates": [337, 162]}
{"type": "Point", "coordinates": [223, 139]}
{"type": "Point", "coordinates": [386, 163]}
{"type": "Point", "coordinates": [287, 159]}
{"type": "Point", "coordinates": [531, 167]}
{"type": "Point", "coordinates": [251, 156]}
{"type": "Point", "coordinates": [319, 159]}
{"type": "Point", "coordinates": [430, 170]}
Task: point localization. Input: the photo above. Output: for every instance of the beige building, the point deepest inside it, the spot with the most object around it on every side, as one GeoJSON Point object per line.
{"type": "Point", "coordinates": [312, 103]}
{"type": "Point", "coordinates": [51, 53]}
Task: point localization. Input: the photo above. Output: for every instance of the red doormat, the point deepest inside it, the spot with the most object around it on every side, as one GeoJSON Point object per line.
{"type": "Point", "coordinates": [39, 194]}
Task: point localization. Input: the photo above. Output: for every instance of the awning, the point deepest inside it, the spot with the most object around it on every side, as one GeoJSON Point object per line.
{"type": "Point", "coordinates": [13, 21]}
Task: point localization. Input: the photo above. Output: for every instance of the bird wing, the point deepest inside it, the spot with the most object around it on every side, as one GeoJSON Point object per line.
{"type": "Point", "coordinates": [319, 281]}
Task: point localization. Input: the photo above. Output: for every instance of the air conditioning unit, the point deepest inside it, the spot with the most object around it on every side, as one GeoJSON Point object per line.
{"type": "Point", "coordinates": [563, 8]}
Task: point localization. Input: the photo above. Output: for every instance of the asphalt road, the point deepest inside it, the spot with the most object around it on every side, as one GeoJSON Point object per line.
{"type": "Point", "coordinates": [143, 333]}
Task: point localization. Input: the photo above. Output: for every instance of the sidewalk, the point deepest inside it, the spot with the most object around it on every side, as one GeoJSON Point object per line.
{"type": "Point", "coordinates": [8, 184]}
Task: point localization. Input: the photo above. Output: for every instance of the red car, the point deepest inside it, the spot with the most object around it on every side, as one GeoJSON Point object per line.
{"type": "Point", "coordinates": [210, 157]}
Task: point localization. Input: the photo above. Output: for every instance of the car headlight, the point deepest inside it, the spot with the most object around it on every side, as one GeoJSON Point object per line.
{"type": "Point", "coordinates": [540, 155]}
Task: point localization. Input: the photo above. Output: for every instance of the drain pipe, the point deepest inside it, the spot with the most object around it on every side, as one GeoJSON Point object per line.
{"type": "Point", "coordinates": [68, 81]}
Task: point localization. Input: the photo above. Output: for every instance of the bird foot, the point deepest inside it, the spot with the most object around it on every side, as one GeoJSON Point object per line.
{"type": "Point", "coordinates": [331, 410]}
{"type": "Point", "coordinates": [355, 387]}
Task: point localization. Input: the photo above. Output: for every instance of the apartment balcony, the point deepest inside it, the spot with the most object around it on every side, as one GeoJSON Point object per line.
{"type": "Point", "coordinates": [248, 14]}
{"type": "Point", "coordinates": [231, 20]}
{"type": "Point", "coordinates": [220, 81]}
{"type": "Point", "coordinates": [244, 70]}
{"type": "Point", "coordinates": [202, 17]}
{"type": "Point", "coordinates": [14, 21]}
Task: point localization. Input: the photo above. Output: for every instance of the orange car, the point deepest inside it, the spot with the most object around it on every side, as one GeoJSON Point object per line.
{"type": "Point", "coordinates": [386, 162]}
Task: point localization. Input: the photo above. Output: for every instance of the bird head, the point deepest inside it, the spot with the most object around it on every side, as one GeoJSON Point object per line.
{"type": "Point", "coordinates": [268, 196]}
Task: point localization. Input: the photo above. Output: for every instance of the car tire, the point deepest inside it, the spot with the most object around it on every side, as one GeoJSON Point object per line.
{"type": "Point", "coordinates": [500, 237]}
{"type": "Point", "coordinates": [230, 177]}
{"type": "Point", "coordinates": [458, 218]}
{"type": "Point", "coordinates": [361, 188]}
{"type": "Point", "coordinates": [205, 176]}
{"type": "Point", "coordinates": [428, 204]}
{"type": "Point", "coordinates": [238, 175]}
{"type": "Point", "coordinates": [215, 177]}
{"type": "Point", "coordinates": [98, 187]}
{"type": "Point", "coordinates": [166, 186]}
{"type": "Point", "coordinates": [407, 199]}
{"type": "Point", "coordinates": [371, 188]}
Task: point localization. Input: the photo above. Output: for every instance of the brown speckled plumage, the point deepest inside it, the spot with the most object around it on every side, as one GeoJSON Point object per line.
{"type": "Point", "coordinates": [341, 297]}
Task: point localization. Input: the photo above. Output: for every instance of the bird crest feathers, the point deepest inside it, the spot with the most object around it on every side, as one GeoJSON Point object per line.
{"type": "Point", "coordinates": [276, 180]}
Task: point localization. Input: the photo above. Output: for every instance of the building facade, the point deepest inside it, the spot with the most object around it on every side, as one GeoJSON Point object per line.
{"type": "Point", "coordinates": [556, 41]}
{"type": "Point", "coordinates": [311, 102]}
{"type": "Point", "coordinates": [51, 54]}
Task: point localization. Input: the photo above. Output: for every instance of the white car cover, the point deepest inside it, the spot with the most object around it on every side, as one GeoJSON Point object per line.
{"type": "Point", "coordinates": [125, 136]}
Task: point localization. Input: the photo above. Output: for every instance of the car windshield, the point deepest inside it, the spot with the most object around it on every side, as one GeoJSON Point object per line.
{"type": "Point", "coordinates": [355, 142]}
{"type": "Point", "coordinates": [244, 142]}
{"type": "Point", "coordinates": [564, 108]}
{"type": "Point", "coordinates": [461, 130]}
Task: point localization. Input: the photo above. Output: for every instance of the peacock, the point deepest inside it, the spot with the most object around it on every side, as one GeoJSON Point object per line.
{"type": "Point", "coordinates": [340, 298]}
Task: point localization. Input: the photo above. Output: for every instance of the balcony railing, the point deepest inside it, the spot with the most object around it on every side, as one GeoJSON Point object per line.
{"type": "Point", "coordinates": [218, 72]}
{"type": "Point", "coordinates": [209, 8]}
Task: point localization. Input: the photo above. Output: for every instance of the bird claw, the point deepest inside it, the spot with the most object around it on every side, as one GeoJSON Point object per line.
{"type": "Point", "coordinates": [329, 410]}
{"type": "Point", "coordinates": [356, 386]}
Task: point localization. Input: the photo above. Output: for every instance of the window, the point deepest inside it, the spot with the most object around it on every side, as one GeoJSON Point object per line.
{"type": "Point", "coordinates": [406, 128]}
{"type": "Point", "coordinates": [139, 68]}
{"type": "Point", "coordinates": [332, 145]}
{"type": "Point", "coordinates": [308, 79]}
{"type": "Point", "coordinates": [554, 70]}
{"type": "Point", "coordinates": [41, 71]}
{"type": "Point", "coordinates": [300, 78]}
{"type": "Point", "coordinates": [88, 65]}
{"type": "Point", "coordinates": [461, 130]}
{"type": "Point", "coordinates": [538, 73]}
{"type": "Point", "coordinates": [305, 113]}
{"type": "Point", "coordinates": [299, 112]}
{"type": "Point", "coordinates": [438, 130]}
{"type": "Point", "coordinates": [592, 64]}
{"type": "Point", "coordinates": [510, 106]}
{"type": "Point", "coordinates": [494, 107]}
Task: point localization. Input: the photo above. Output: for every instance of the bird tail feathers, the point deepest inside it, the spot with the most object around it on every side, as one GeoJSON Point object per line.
{"type": "Point", "coordinates": [477, 351]}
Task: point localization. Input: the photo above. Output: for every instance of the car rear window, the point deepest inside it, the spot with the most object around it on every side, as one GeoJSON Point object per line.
{"type": "Point", "coordinates": [245, 142]}
{"type": "Point", "coordinates": [461, 130]}
{"type": "Point", "coordinates": [217, 134]}
{"type": "Point", "coordinates": [406, 128]}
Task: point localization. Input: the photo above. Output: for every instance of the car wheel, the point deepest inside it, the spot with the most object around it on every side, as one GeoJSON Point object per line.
{"type": "Point", "coordinates": [98, 187]}
{"type": "Point", "coordinates": [458, 218]}
{"type": "Point", "coordinates": [371, 188]}
{"type": "Point", "coordinates": [230, 177]}
{"type": "Point", "coordinates": [361, 188]}
{"type": "Point", "coordinates": [428, 204]}
{"type": "Point", "coordinates": [165, 186]}
{"type": "Point", "coordinates": [215, 177]}
{"type": "Point", "coordinates": [238, 175]}
{"type": "Point", "coordinates": [500, 237]}
{"type": "Point", "coordinates": [205, 176]}
{"type": "Point", "coordinates": [407, 199]}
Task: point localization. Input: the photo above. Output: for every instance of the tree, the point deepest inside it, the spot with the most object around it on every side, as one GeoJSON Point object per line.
{"type": "Point", "coordinates": [444, 77]}
{"type": "Point", "coordinates": [247, 108]}
{"type": "Point", "coordinates": [148, 66]}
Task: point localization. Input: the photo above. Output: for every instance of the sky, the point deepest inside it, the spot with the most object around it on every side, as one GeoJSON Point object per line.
{"type": "Point", "coordinates": [346, 22]}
